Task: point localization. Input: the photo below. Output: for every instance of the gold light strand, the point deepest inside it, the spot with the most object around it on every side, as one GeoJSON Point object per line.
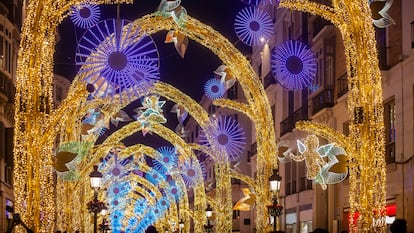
{"type": "Point", "coordinates": [367, 163]}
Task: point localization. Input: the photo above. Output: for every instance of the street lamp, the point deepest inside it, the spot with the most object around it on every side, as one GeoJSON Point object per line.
{"type": "Point", "coordinates": [95, 206]}
{"type": "Point", "coordinates": [104, 226]}
{"type": "Point", "coordinates": [181, 225]}
{"type": "Point", "coordinates": [275, 210]}
{"type": "Point", "coordinates": [274, 181]}
{"type": "Point", "coordinates": [209, 214]}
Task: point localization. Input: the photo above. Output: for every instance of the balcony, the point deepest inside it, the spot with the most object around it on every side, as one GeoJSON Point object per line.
{"type": "Point", "coordinates": [342, 84]}
{"type": "Point", "coordinates": [289, 123]}
{"type": "Point", "coordinates": [318, 24]}
{"type": "Point", "coordinates": [7, 88]}
{"type": "Point", "coordinates": [322, 100]}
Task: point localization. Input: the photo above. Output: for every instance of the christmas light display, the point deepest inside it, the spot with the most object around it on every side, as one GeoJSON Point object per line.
{"type": "Point", "coordinates": [85, 15]}
{"type": "Point", "coordinates": [229, 136]}
{"type": "Point", "coordinates": [214, 89]}
{"type": "Point", "coordinates": [168, 161]}
{"type": "Point", "coordinates": [253, 26]}
{"type": "Point", "coordinates": [380, 16]}
{"type": "Point", "coordinates": [189, 173]}
{"type": "Point", "coordinates": [121, 63]}
{"type": "Point", "coordinates": [365, 92]}
{"type": "Point", "coordinates": [293, 65]}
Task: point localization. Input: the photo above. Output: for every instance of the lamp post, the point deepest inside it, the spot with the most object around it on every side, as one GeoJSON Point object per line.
{"type": "Point", "coordinates": [209, 214]}
{"type": "Point", "coordinates": [181, 225]}
{"type": "Point", "coordinates": [95, 206]}
{"type": "Point", "coordinates": [275, 210]}
{"type": "Point", "coordinates": [104, 226]}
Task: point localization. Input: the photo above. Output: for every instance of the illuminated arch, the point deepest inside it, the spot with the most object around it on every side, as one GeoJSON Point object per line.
{"type": "Point", "coordinates": [35, 60]}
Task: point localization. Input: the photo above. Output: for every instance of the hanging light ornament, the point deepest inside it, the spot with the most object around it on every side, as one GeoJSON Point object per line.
{"type": "Point", "coordinates": [379, 12]}
{"type": "Point", "coordinates": [189, 172]}
{"type": "Point", "coordinates": [253, 26]}
{"type": "Point", "coordinates": [214, 89]}
{"type": "Point", "coordinates": [85, 15]}
{"type": "Point", "coordinates": [120, 63]}
{"type": "Point", "coordinates": [168, 160]}
{"type": "Point", "coordinates": [229, 136]}
{"type": "Point", "coordinates": [293, 65]}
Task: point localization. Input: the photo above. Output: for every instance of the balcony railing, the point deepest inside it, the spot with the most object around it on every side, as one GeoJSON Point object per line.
{"type": "Point", "coordinates": [289, 123]}
{"type": "Point", "coordinates": [342, 84]}
{"type": "Point", "coordinates": [322, 100]}
{"type": "Point", "coordinates": [7, 87]}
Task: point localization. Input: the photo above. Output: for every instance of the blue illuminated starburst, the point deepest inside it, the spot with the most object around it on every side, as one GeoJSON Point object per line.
{"type": "Point", "coordinates": [214, 89]}
{"type": "Point", "coordinates": [167, 161]}
{"type": "Point", "coordinates": [293, 65]}
{"type": "Point", "coordinates": [85, 15]}
{"type": "Point", "coordinates": [228, 136]}
{"type": "Point", "coordinates": [126, 61]}
{"type": "Point", "coordinates": [253, 26]}
{"type": "Point", "coordinates": [189, 172]}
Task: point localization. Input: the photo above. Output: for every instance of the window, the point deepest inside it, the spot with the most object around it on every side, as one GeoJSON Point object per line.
{"type": "Point", "coordinates": [290, 178]}
{"type": "Point", "coordinates": [412, 34]}
{"type": "Point", "coordinates": [390, 125]}
{"type": "Point", "coordinates": [381, 36]}
{"type": "Point", "coordinates": [345, 128]}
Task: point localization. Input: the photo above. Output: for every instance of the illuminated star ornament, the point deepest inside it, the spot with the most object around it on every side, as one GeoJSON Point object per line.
{"type": "Point", "coordinates": [226, 76]}
{"type": "Point", "coordinates": [180, 41]}
{"type": "Point", "coordinates": [253, 25]}
{"type": "Point", "coordinates": [173, 8]}
{"type": "Point", "coordinates": [181, 116]}
{"type": "Point", "coordinates": [214, 89]}
{"type": "Point", "coordinates": [293, 65]}
{"type": "Point", "coordinates": [379, 11]}
{"type": "Point", "coordinates": [85, 15]}
{"type": "Point", "coordinates": [126, 62]}
{"type": "Point", "coordinates": [229, 136]}
{"type": "Point", "coordinates": [150, 112]}
{"type": "Point", "coordinates": [325, 164]}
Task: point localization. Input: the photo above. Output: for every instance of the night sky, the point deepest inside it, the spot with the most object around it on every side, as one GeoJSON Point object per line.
{"type": "Point", "coordinates": [188, 74]}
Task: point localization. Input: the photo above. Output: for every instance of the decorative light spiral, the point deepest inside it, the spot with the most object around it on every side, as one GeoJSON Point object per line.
{"type": "Point", "coordinates": [119, 63]}
{"type": "Point", "coordinates": [253, 25]}
{"type": "Point", "coordinates": [85, 15]}
{"type": "Point", "coordinates": [293, 65]}
{"type": "Point", "coordinates": [214, 89]}
{"type": "Point", "coordinates": [229, 136]}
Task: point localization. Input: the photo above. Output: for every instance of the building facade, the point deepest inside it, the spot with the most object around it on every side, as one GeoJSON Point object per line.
{"type": "Point", "coordinates": [10, 24]}
{"type": "Point", "coordinates": [306, 205]}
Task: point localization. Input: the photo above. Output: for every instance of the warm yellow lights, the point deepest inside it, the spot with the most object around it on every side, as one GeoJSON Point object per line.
{"type": "Point", "coordinates": [37, 128]}
{"type": "Point", "coordinates": [367, 162]}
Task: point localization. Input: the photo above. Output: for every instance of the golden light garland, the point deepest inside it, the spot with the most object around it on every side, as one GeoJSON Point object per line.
{"type": "Point", "coordinates": [367, 164]}
{"type": "Point", "coordinates": [34, 73]}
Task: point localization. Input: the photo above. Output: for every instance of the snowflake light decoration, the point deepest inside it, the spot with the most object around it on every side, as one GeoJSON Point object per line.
{"type": "Point", "coordinates": [112, 167]}
{"type": "Point", "coordinates": [120, 63]}
{"type": "Point", "coordinates": [168, 159]}
{"type": "Point", "coordinates": [229, 136]}
{"type": "Point", "coordinates": [293, 65]}
{"type": "Point", "coordinates": [85, 15]}
{"type": "Point", "coordinates": [256, 2]}
{"type": "Point", "coordinates": [189, 172]}
{"type": "Point", "coordinates": [379, 10]}
{"type": "Point", "coordinates": [214, 89]}
{"type": "Point", "coordinates": [253, 25]}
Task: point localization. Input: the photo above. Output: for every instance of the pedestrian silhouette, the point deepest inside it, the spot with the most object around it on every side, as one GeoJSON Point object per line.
{"type": "Point", "coordinates": [399, 226]}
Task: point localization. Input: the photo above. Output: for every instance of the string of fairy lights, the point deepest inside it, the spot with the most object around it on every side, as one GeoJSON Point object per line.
{"type": "Point", "coordinates": [367, 166]}
{"type": "Point", "coordinates": [33, 179]}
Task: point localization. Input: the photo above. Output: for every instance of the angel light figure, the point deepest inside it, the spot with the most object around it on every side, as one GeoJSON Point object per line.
{"type": "Point", "coordinates": [313, 156]}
